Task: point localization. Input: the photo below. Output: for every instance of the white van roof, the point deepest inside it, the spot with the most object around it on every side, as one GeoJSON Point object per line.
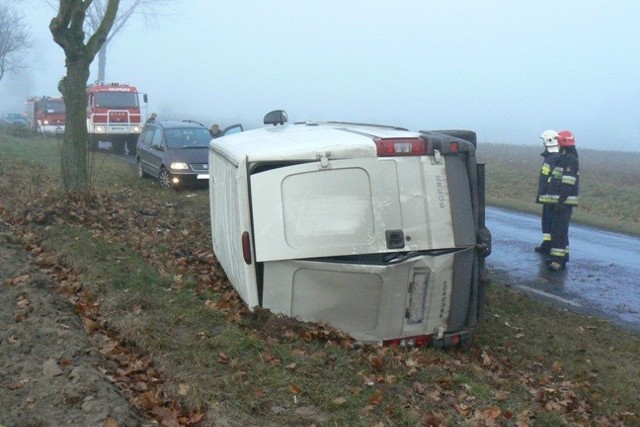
{"type": "Point", "coordinates": [305, 141]}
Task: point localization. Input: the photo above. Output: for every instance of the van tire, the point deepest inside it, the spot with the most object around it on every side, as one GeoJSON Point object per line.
{"type": "Point", "coordinates": [164, 178]}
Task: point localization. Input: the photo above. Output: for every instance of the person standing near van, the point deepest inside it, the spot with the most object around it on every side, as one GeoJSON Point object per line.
{"type": "Point", "coordinates": [563, 195]}
{"type": "Point", "coordinates": [215, 131]}
{"type": "Point", "coordinates": [549, 155]}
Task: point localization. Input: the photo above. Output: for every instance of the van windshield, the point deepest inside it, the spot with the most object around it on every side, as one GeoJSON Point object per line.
{"type": "Point", "coordinates": [188, 138]}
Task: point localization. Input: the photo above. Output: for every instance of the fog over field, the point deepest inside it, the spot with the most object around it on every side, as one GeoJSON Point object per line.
{"type": "Point", "coordinates": [508, 70]}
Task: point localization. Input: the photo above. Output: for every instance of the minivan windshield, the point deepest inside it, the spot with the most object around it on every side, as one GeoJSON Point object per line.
{"type": "Point", "coordinates": [188, 137]}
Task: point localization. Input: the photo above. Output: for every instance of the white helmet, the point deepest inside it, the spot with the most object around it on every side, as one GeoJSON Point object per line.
{"type": "Point", "coordinates": [550, 140]}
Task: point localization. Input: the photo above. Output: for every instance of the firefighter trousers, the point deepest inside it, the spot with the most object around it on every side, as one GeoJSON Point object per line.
{"type": "Point", "coordinates": [547, 220]}
{"type": "Point", "coordinates": [560, 233]}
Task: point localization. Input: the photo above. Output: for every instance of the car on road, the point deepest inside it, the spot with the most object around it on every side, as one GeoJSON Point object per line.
{"type": "Point", "coordinates": [175, 152]}
{"type": "Point", "coordinates": [14, 119]}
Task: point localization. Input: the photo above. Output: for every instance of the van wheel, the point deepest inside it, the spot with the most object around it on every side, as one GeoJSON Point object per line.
{"type": "Point", "coordinates": [141, 172]}
{"type": "Point", "coordinates": [164, 177]}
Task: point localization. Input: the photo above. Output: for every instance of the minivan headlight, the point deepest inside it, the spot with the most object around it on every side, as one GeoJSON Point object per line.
{"type": "Point", "coordinates": [179, 165]}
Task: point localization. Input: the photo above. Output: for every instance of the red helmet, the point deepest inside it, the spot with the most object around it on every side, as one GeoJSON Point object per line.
{"type": "Point", "coordinates": [566, 139]}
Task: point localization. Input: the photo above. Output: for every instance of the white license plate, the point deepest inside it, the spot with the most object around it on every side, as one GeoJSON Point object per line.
{"type": "Point", "coordinates": [203, 176]}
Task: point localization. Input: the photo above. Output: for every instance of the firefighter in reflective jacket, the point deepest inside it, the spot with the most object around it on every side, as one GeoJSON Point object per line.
{"type": "Point", "coordinates": [562, 194]}
{"type": "Point", "coordinates": [549, 155]}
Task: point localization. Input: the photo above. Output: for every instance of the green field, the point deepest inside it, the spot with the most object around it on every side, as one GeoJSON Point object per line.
{"type": "Point", "coordinates": [609, 192]}
{"type": "Point", "coordinates": [137, 261]}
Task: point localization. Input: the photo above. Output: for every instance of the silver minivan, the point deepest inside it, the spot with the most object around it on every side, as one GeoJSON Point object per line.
{"type": "Point", "coordinates": [175, 152]}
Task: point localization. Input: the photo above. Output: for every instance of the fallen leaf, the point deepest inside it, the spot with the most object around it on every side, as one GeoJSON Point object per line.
{"type": "Point", "coordinates": [16, 280]}
{"type": "Point", "coordinates": [89, 325]}
{"type": "Point", "coordinates": [223, 359]}
{"type": "Point", "coordinates": [419, 388]}
{"type": "Point", "coordinates": [501, 395]}
{"type": "Point", "coordinates": [295, 389]}
{"type": "Point", "coordinates": [183, 389]}
{"type": "Point", "coordinates": [195, 417]}
{"type": "Point", "coordinates": [110, 422]}
{"type": "Point", "coordinates": [376, 363]}
{"type": "Point", "coordinates": [376, 398]}
{"type": "Point", "coordinates": [339, 401]}
{"type": "Point", "coordinates": [14, 386]}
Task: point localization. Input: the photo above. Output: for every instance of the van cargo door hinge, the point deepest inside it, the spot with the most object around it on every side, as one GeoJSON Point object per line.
{"type": "Point", "coordinates": [437, 158]}
{"type": "Point", "coordinates": [324, 160]}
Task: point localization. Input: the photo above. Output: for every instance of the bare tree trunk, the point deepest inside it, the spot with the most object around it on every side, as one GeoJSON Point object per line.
{"type": "Point", "coordinates": [67, 31]}
{"type": "Point", "coordinates": [74, 147]}
{"type": "Point", "coordinates": [102, 62]}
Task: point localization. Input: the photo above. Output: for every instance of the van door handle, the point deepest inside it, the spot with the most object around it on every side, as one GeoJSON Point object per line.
{"type": "Point", "coordinates": [395, 239]}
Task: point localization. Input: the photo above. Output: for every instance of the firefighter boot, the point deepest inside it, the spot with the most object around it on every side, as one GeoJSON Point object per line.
{"type": "Point", "coordinates": [544, 248]}
{"type": "Point", "coordinates": [556, 264]}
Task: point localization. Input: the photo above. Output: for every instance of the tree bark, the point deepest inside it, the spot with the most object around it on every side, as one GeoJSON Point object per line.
{"type": "Point", "coordinates": [73, 165]}
{"type": "Point", "coordinates": [102, 62]}
{"type": "Point", "coordinates": [67, 31]}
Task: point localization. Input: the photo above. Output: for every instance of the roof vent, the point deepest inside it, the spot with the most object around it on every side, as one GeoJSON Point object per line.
{"type": "Point", "coordinates": [275, 117]}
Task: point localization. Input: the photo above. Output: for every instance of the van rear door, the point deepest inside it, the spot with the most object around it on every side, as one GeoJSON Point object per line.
{"type": "Point", "coordinates": [350, 207]}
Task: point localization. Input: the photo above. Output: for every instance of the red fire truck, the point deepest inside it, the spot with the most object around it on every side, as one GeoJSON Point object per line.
{"type": "Point", "coordinates": [113, 115]}
{"type": "Point", "coordinates": [46, 115]}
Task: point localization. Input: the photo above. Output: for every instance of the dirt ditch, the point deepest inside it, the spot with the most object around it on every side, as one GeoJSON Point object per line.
{"type": "Point", "coordinates": [50, 375]}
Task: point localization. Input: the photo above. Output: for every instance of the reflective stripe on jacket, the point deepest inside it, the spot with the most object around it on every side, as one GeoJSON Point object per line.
{"type": "Point", "coordinates": [564, 181]}
{"type": "Point", "coordinates": [545, 173]}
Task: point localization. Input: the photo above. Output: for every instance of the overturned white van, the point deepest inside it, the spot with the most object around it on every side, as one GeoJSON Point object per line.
{"type": "Point", "coordinates": [376, 230]}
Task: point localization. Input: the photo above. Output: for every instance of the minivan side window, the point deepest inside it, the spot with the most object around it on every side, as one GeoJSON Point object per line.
{"type": "Point", "coordinates": [148, 135]}
{"type": "Point", "coordinates": [157, 139]}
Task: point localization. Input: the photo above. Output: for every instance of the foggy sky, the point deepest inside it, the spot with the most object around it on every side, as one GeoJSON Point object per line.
{"type": "Point", "coordinates": [506, 69]}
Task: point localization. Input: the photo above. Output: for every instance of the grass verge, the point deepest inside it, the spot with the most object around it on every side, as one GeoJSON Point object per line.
{"type": "Point", "coordinates": [144, 256]}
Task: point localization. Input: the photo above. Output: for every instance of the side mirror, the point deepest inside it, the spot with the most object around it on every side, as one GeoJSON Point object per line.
{"type": "Point", "coordinates": [145, 98]}
{"type": "Point", "coordinates": [276, 117]}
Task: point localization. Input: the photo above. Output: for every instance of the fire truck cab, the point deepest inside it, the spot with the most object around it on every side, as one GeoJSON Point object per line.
{"type": "Point", "coordinates": [114, 115]}
{"type": "Point", "coordinates": [46, 115]}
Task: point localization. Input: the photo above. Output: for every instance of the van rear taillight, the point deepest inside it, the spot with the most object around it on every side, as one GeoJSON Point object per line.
{"type": "Point", "coordinates": [246, 247]}
{"type": "Point", "coordinates": [390, 147]}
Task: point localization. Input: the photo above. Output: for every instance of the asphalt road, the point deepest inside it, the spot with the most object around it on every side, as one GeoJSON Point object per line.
{"type": "Point", "coordinates": [601, 279]}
